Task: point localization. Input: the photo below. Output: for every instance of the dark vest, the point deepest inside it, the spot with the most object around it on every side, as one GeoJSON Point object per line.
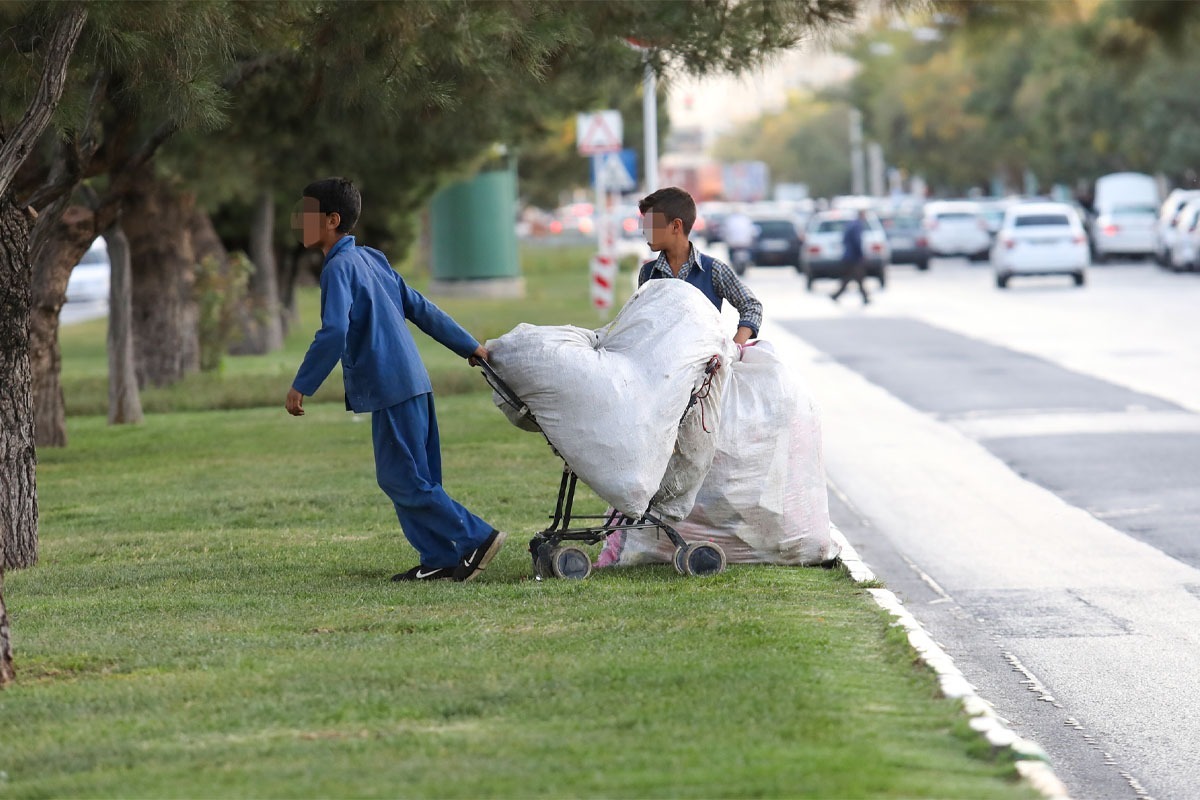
{"type": "Point", "coordinates": [702, 279]}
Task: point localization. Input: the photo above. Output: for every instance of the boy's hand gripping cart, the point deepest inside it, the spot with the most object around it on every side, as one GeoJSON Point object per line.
{"type": "Point", "coordinates": [553, 559]}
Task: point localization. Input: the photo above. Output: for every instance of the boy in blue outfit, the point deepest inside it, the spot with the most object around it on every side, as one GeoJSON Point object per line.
{"type": "Point", "coordinates": [364, 306]}
{"type": "Point", "coordinates": [668, 217]}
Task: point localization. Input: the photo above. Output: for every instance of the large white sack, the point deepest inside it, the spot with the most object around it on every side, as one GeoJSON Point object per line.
{"type": "Point", "coordinates": [765, 498]}
{"type": "Point", "coordinates": [611, 400]}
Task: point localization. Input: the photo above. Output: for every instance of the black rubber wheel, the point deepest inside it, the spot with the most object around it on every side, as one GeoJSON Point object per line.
{"type": "Point", "coordinates": [570, 562]}
{"type": "Point", "coordinates": [543, 566]}
{"type": "Point", "coordinates": [703, 559]}
{"type": "Point", "coordinates": [923, 265]}
{"type": "Point", "coordinates": [1001, 281]}
{"type": "Point", "coordinates": [679, 560]}
{"type": "Point", "coordinates": [1079, 279]}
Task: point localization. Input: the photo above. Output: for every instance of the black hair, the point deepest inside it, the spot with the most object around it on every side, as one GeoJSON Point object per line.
{"type": "Point", "coordinates": [673, 203]}
{"type": "Point", "coordinates": [337, 195]}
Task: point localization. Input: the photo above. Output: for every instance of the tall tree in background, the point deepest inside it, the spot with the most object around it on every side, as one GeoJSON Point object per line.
{"type": "Point", "coordinates": [803, 143]}
{"type": "Point", "coordinates": [50, 48]}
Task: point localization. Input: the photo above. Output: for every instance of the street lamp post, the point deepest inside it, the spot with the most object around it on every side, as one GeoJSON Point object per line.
{"type": "Point", "coordinates": [650, 124]}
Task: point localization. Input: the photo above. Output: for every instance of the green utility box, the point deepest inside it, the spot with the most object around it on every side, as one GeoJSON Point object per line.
{"type": "Point", "coordinates": [474, 237]}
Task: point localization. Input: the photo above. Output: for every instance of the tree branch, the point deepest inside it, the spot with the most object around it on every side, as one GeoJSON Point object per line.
{"type": "Point", "coordinates": [54, 77]}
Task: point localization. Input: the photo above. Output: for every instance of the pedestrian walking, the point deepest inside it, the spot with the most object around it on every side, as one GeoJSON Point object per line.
{"type": "Point", "coordinates": [668, 217]}
{"type": "Point", "coordinates": [738, 231]}
{"type": "Point", "coordinates": [365, 305]}
{"type": "Point", "coordinates": [854, 263]}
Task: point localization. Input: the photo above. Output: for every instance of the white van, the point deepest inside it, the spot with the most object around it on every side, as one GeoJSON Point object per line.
{"type": "Point", "coordinates": [1126, 206]}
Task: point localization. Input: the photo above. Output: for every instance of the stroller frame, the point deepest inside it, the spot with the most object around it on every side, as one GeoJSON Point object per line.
{"type": "Point", "coordinates": [552, 559]}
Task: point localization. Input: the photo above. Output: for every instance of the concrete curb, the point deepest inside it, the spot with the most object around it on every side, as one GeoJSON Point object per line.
{"type": "Point", "coordinates": [1029, 758]}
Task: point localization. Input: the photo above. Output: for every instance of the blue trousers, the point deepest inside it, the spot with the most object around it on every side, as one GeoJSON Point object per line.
{"type": "Point", "coordinates": [408, 466]}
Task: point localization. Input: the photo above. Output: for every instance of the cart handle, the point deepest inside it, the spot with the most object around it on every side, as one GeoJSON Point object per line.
{"type": "Point", "coordinates": [501, 388]}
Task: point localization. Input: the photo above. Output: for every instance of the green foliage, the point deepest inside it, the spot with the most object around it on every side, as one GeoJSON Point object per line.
{"type": "Point", "coordinates": [1063, 89]}
{"type": "Point", "coordinates": [1068, 90]}
{"type": "Point", "coordinates": [805, 142]}
{"type": "Point", "coordinates": [220, 289]}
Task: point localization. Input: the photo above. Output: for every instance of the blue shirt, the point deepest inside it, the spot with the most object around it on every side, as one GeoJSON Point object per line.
{"type": "Point", "coordinates": [852, 248]}
{"type": "Point", "coordinates": [364, 307]}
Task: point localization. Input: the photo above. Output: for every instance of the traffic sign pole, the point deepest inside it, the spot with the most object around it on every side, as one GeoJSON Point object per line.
{"type": "Point", "coordinates": [650, 126]}
{"type": "Point", "coordinates": [597, 135]}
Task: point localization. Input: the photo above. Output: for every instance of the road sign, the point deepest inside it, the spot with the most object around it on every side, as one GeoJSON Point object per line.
{"type": "Point", "coordinates": [616, 169]}
{"type": "Point", "coordinates": [598, 133]}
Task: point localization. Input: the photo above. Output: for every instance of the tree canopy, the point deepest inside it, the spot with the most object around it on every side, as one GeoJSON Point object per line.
{"type": "Point", "coordinates": [980, 93]}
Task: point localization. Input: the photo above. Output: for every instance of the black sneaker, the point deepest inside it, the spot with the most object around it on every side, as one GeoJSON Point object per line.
{"type": "Point", "coordinates": [474, 562]}
{"type": "Point", "coordinates": [424, 573]}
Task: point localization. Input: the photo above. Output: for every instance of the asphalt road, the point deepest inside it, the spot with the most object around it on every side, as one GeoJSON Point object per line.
{"type": "Point", "coordinates": [1022, 467]}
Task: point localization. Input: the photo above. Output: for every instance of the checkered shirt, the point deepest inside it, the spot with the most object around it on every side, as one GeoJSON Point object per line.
{"type": "Point", "coordinates": [726, 283]}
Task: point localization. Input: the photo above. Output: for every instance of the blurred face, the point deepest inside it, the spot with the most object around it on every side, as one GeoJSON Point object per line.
{"type": "Point", "coordinates": [658, 232]}
{"type": "Point", "coordinates": [308, 223]}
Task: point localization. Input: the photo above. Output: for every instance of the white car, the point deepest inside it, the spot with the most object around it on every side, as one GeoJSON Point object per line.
{"type": "Point", "coordinates": [1185, 238]}
{"type": "Point", "coordinates": [1040, 239]}
{"type": "Point", "coordinates": [90, 278]}
{"type": "Point", "coordinates": [1167, 214]}
{"type": "Point", "coordinates": [957, 228]}
{"type": "Point", "coordinates": [1127, 208]}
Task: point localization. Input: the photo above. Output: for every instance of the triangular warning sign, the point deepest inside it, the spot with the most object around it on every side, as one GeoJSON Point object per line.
{"type": "Point", "coordinates": [599, 132]}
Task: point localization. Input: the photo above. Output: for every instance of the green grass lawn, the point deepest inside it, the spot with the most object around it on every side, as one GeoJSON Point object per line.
{"type": "Point", "coordinates": [212, 617]}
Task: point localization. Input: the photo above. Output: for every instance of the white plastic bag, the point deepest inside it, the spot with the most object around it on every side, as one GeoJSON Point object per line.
{"type": "Point", "coordinates": [764, 499]}
{"type": "Point", "coordinates": [611, 401]}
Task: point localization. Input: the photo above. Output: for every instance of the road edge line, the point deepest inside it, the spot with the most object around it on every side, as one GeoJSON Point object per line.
{"type": "Point", "coordinates": [1029, 759]}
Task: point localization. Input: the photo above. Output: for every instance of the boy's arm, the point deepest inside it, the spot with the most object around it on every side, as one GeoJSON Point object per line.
{"type": "Point", "coordinates": [439, 325]}
{"type": "Point", "coordinates": [330, 341]}
{"type": "Point", "coordinates": [730, 287]}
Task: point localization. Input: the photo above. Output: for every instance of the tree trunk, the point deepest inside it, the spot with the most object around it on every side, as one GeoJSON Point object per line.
{"type": "Point", "coordinates": [288, 272]}
{"type": "Point", "coordinates": [59, 241]}
{"type": "Point", "coordinates": [205, 241]}
{"type": "Point", "coordinates": [124, 401]}
{"type": "Point", "coordinates": [18, 454]}
{"type": "Point", "coordinates": [261, 316]}
{"type": "Point", "coordinates": [157, 218]}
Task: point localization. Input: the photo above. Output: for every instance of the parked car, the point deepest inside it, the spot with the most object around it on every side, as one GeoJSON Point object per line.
{"type": "Point", "coordinates": [1167, 214]}
{"type": "Point", "coordinates": [1126, 206]}
{"type": "Point", "coordinates": [709, 215]}
{"type": "Point", "coordinates": [1185, 238]}
{"type": "Point", "coordinates": [906, 238]}
{"type": "Point", "coordinates": [823, 246]}
{"type": "Point", "coordinates": [574, 218]}
{"type": "Point", "coordinates": [90, 278]}
{"type": "Point", "coordinates": [777, 241]}
{"type": "Point", "coordinates": [993, 214]}
{"type": "Point", "coordinates": [628, 221]}
{"type": "Point", "coordinates": [1040, 239]}
{"type": "Point", "coordinates": [957, 228]}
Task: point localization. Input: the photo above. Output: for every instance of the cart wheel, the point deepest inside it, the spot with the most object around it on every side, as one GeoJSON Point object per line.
{"type": "Point", "coordinates": [542, 561]}
{"type": "Point", "coordinates": [703, 559]}
{"type": "Point", "coordinates": [679, 559]}
{"type": "Point", "coordinates": [572, 563]}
